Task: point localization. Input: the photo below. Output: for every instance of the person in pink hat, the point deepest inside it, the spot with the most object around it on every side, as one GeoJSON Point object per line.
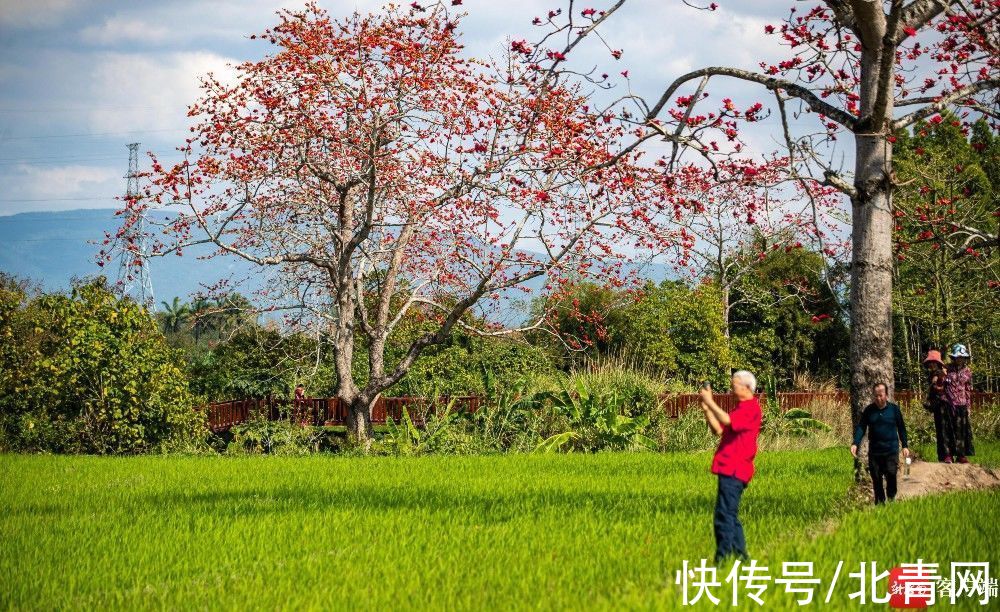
{"type": "Point", "coordinates": [937, 404]}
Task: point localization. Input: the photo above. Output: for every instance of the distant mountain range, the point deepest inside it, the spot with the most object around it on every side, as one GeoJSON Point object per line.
{"type": "Point", "coordinates": [53, 248]}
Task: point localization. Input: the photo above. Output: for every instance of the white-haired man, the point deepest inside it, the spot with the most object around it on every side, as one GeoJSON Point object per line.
{"type": "Point", "coordinates": [738, 431]}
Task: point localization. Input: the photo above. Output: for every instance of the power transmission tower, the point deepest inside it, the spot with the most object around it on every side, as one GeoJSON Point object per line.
{"type": "Point", "coordinates": [133, 271]}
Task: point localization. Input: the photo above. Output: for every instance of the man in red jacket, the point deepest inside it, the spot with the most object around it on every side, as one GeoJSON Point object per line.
{"type": "Point", "coordinates": [733, 462]}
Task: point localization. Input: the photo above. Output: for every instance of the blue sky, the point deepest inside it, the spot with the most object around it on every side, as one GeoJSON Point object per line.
{"type": "Point", "coordinates": [79, 79]}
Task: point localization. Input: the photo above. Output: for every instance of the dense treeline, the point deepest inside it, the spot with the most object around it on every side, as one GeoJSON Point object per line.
{"type": "Point", "coordinates": [948, 261]}
{"type": "Point", "coordinates": [784, 324]}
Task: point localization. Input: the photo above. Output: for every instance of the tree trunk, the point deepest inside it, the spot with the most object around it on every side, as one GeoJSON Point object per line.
{"type": "Point", "coordinates": [359, 422]}
{"type": "Point", "coordinates": [726, 307]}
{"type": "Point", "coordinates": [871, 274]}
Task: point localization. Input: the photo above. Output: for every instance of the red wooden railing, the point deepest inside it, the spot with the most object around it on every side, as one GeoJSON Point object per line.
{"type": "Point", "coordinates": [802, 399]}
{"type": "Point", "coordinates": [331, 411]}
{"type": "Point", "coordinates": [319, 411]}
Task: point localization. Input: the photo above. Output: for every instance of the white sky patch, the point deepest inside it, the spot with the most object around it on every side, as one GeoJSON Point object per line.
{"type": "Point", "coordinates": [158, 87]}
{"type": "Point", "coordinates": [186, 24]}
{"type": "Point", "coordinates": [31, 188]}
{"type": "Point", "coordinates": [663, 40]}
{"type": "Point", "coordinates": [119, 29]}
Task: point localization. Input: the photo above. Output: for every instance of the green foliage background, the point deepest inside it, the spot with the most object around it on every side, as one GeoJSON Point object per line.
{"type": "Point", "coordinates": [88, 372]}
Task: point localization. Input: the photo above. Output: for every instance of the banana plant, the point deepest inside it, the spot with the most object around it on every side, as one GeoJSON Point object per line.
{"type": "Point", "coordinates": [506, 412]}
{"type": "Point", "coordinates": [556, 443]}
{"type": "Point", "coordinates": [793, 422]}
{"type": "Point", "coordinates": [405, 438]}
{"type": "Point", "coordinates": [798, 422]}
{"type": "Point", "coordinates": [598, 417]}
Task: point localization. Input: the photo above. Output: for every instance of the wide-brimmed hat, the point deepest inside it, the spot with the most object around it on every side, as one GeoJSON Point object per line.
{"type": "Point", "coordinates": [934, 356]}
{"type": "Point", "coordinates": [959, 350]}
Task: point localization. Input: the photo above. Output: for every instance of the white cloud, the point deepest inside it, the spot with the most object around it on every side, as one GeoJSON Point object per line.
{"type": "Point", "coordinates": [65, 181]}
{"type": "Point", "coordinates": [33, 187]}
{"type": "Point", "coordinates": [119, 29]}
{"type": "Point", "coordinates": [157, 88]}
{"type": "Point", "coordinates": [180, 24]}
{"type": "Point", "coordinates": [36, 13]}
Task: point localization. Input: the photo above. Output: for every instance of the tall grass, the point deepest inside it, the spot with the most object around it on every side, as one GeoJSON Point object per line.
{"type": "Point", "coordinates": [599, 531]}
{"type": "Point", "coordinates": [499, 532]}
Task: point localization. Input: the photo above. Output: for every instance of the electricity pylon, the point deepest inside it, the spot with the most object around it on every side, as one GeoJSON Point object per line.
{"type": "Point", "coordinates": [133, 271]}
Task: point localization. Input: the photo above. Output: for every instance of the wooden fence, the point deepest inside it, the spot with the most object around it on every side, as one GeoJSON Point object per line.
{"type": "Point", "coordinates": [802, 399]}
{"type": "Point", "coordinates": [327, 411]}
{"type": "Point", "coordinates": [331, 411]}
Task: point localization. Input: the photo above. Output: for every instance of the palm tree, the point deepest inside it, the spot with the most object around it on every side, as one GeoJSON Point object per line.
{"type": "Point", "coordinates": [174, 315]}
{"type": "Point", "coordinates": [202, 309]}
{"type": "Point", "coordinates": [232, 311]}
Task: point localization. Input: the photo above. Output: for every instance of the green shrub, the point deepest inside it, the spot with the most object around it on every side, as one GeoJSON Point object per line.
{"type": "Point", "coordinates": [37, 432]}
{"type": "Point", "coordinates": [281, 437]}
{"type": "Point", "coordinates": [259, 362]}
{"type": "Point", "coordinates": [986, 422]}
{"type": "Point", "coordinates": [673, 330]}
{"type": "Point", "coordinates": [92, 373]}
{"type": "Point", "coordinates": [455, 368]}
{"type": "Point", "coordinates": [509, 420]}
{"type": "Point", "coordinates": [637, 393]}
{"type": "Point", "coordinates": [444, 431]}
{"type": "Point", "coordinates": [795, 422]}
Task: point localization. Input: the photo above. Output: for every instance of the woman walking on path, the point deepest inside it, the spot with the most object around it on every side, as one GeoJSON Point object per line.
{"type": "Point", "coordinates": [938, 405]}
{"type": "Point", "coordinates": [958, 392]}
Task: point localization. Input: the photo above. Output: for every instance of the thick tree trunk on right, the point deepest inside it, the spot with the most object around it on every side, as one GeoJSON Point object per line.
{"type": "Point", "coordinates": [871, 274]}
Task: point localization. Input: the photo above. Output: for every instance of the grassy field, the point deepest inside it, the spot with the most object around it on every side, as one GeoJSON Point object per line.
{"type": "Point", "coordinates": [603, 531]}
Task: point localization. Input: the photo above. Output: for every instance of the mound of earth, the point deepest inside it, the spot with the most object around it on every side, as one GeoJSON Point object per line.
{"type": "Point", "coordinates": [930, 477]}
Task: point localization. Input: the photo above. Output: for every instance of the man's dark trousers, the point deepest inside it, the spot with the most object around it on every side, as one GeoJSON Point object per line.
{"type": "Point", "coordinates": [883, 466]}
{"type": "Point", "coordinates": [729, 539]}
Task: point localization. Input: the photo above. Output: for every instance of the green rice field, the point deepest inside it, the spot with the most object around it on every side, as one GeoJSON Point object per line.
{"type": "Point", "coordinates": [551, 532]}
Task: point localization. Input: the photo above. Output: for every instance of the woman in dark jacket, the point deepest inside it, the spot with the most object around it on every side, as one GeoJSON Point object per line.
{"type": "Point", "coordinates": [938, 405]}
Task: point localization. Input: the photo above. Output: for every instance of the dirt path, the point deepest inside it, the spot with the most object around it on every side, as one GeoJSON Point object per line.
{"type": "Point", "coordinates": [932, 477]}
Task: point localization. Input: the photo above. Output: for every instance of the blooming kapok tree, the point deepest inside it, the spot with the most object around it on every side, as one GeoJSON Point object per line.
{"type": "Point", "coordinates": [865, 68]}
{"type": "Point", "coordinates": [379, 171]}
{"type": "Point", "coordinates": [949, 201]}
